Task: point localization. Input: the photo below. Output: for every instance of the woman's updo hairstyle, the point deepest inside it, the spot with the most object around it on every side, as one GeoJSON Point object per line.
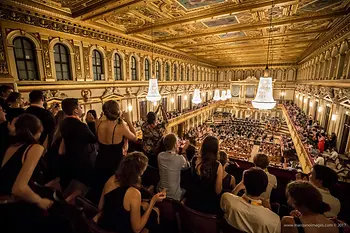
{"type": "Point", "coordinates": [27, 125]}
{"type": "Point", "coordinates": [111, 110]}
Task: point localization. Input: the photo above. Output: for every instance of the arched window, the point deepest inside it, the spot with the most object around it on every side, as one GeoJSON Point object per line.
{"type": "Point", "coordinates": [147, 69]}
{"type": "Point", "coordinates": [25, 59]}
{"type": "Point", "coordinates": [182, 73]}
{"type": "Point", "coordinates": [167, 73]}
{"type": "Point", "coordinates": [97, 65]}
{"type": "Point", "coordinates": [175, 72]}
{"type": "Point", "coordinates": [133, 68]}
{"type": "Point", "coordinates": [188, 74]}
{"type": "Point", "coordinates": [118, 75]}
{"type": "Point", "coordinates": [62, 62]}
{"type": "Point", "coordinates": [158, 70]}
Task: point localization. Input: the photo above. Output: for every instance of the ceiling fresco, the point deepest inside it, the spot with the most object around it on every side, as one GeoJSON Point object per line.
{"type": "Point", "coordinates": [222, 32]}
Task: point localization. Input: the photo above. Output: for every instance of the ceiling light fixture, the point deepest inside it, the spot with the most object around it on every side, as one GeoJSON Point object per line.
{"type": "Point", "coordinates": [217, 95]}
{"type": "Point", "coordinates": [196, 96]}
{"type": "Point", "coordinates": [264, 96]}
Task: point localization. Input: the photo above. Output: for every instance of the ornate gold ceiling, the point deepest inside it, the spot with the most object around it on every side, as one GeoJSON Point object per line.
{"type": "Point", "coordinates": [221, 32]}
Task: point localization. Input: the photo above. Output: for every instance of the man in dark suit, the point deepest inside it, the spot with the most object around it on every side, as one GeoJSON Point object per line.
{"type": "Point", "coordinates": [77, 139]}
{"type": "Point", "coordinates": [37, 101]}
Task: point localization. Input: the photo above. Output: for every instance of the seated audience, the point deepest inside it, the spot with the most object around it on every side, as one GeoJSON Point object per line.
{"type": "Point", "coordinates": [319, 160]}
{"type": "Point", "coordinates": [152, 132]}
{"type": "Point", "coordinates": [262, 161]}
{"type": "Point", "coordinates": [90, 119]}
{"type": "Point", "coordinates": [228, 181]}
{"type": "Point", "coordinates": [18, 170]}
{"type": "Point", "coordinates": [247, 213]}
{"type": "Point", "coordinates": [5, 91]}
{"type": "Point", "coordinates": [112, 134]}
{"type": "Point", "coordinates": [77, 140]}
{"type": "Point", "coordinates": [305, 198]}
{"type": "Point", "coordinates": [324, 178]}
{"type": "Point", "coordinates": [170, 164]}
{"type": "Point", "coordinates": [206, 182]}
{"type": "Point", "coordinates": [15, 106]}
{"type": "Point", "coordinates": [121, 208]}
{"type": "Point", "coordinates": [37, 101]}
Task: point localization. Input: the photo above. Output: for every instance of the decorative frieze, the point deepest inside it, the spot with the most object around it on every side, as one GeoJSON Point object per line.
{"type": "Point", "coordinates": [3, 62]}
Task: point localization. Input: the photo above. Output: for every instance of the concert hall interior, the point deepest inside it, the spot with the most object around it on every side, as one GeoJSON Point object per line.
{"type": "Point", "coordinates": [174, 116]}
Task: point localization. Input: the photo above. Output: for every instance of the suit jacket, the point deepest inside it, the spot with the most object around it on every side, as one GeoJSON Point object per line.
{"type": "Point", "coordinates": [77, 138]}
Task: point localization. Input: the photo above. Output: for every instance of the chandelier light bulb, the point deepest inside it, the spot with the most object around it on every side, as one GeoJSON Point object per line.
{"type": "Point", "coordinates": [264, 97]}
{"type": "Point", "coordinates": [304, 101]}
{"type": "Point", "coordinates": [311, 103]}
{"type": "Point", "coordinates": [153, 92]}
{"type": "Point", "coordinates": [196, 96]}
{"type": "Point", "coordinates": [300, 98]}
{"type": "Point", "coordinates": [172, 100]}
{"type": "Point", "coordinates": [185, 97]}
{"type": "Point", "coordinates": [223, 95]}
{"type": "Point", "coordinates": [129, 107]}
{"type": "Point", "coordinates": [155, 103]}
{"type": "Point", "coordinates": [319, 109]}
{"type": "Point", "coordinates": [217, 95]}
{"type": "Point", "coordinates": [228, 94]}
{"type": "Point", "coordinates": [296, 95]}
{"type": "Point", "coordinates": [334, 117]}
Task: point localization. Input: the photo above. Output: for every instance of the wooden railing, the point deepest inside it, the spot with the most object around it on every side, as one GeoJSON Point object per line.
{"type": "Point", "coordinates": [305, 159]}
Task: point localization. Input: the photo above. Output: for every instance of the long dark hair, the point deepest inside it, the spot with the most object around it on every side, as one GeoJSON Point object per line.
{"type": "Point", "coordinates": [305, 194]}
{"type": "Point", "coordinates": [209, 154]}
{"type": "Point", "coordinates": [27, 125]}
{"type": "Point", "coordinates": [60, 116]}
{"type": "Point", "coordinates": [130, 169]}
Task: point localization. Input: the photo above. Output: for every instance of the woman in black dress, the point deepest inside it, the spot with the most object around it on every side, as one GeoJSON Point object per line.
{"type": "Point", "coordinates": [121, 208]}
{"type": "Point", "coordinates": [206, 181]}
{"type": "Point", "coordinates": [19, 170]}
{"type": "Point", "coordinates": [111, 134]}
{"type": "Point", "coordinates": [228, 181]}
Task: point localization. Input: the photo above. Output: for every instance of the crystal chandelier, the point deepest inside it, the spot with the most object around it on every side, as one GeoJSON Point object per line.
{"type": "Point", "coordinates": [264, 97]}
{"type": "Point", "coordinates": [153, 92]}
{"type": "Point", "coordinates": [228, 94]}
{"type": "Point", "coordinates": [223, 95]}
{"type": "Point", "coordinates": [196, 96]}
{"type": "Point", "coordinates": [217, 95]}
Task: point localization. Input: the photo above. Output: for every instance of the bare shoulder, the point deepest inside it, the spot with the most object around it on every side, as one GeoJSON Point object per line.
{"type": "Point", "coordinates": [287, 220]}
{"type": "Point", "coordinates": [133, 192]}
{"type": "Point", "coordinates": [35, 150]}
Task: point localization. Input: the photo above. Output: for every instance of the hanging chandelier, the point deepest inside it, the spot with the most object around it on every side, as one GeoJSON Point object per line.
{"type": "Point", "coordinates": [196, 96]}
{"type": "Point", "coordinates": [264, 96]}
{"type": "Point", "coordinates": [228, 94]}
{"type": "Point", "coordinates": [223, 95]}
{"type": "Point", "coordinates": [153, 92]}
{"type": "Point", "coordinates": [217, 95]}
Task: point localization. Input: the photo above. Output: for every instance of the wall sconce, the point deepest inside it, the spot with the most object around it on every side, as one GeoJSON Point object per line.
{"type": "Point", "coordinates": [317, 100]}
{"type": "Point", "coordinates": [172, 100]}
{"type": "Point", "coordinates": [300, 98]}
{"type": "Point", "coordinates": [296, 95]}
{"type": "Point", "coordinates": [319, 109]}
{"type": "Point", "coordinates": [129, 107]}
{"type": "Point", "coordinates": [304, 101]}
{"type": "Point", "coordinates": [328, 105]}
{"type": "Point", "coordinates": [311, 103]}
{"type": "Point", "coordinates": [334, 117]}
{"type": "Point", "coordinates": [185, 97]}
{"type": "Point", "coordinates": [347, 113]}
{"type": "Point", "coordinates": [203, 94]}
{"type": "Point", "coordinates": [155, 103]}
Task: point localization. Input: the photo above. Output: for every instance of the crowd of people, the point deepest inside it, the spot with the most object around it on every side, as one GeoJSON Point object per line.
{"type": "Point", "coordinates": [38, 145]}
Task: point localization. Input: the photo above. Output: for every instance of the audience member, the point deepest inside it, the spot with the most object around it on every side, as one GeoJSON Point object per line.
{"type": "Point", "coordinates": [324, 178]}
{"type": "Point", "coordinates": [152, 132]}
{"type": "Point", "coordinates": [170, 165]}
{"type": "Point", "coordinates": [112, 134]}
{"type": "Point", "coordinates": [15, 106]}
{"type": "Point", "coordinates": [120, 203]}
{"type": "Point", "coordinates": [305, 198]}
{"type": "Point", "coordinates": [5, 91]}
{"type": "Point", "coordinates": [246, 213]}
{"type": "Point", "coordinates": [262, 161]}
{"type": "Point", "coordinates": [4, 132]}
{"type": "Point", "coordinates": [91, 118]}
{"type": "Point", "coordinates": [190, 152]}
{"type": "Point", "coordinates": [228, 181]}
{"type": "Point", "coordinates": [18, 170]}
{"type": "Point", "coordinates": [206, 183]}
{"type": "Point", "coordinates": [77, 140]}
{"type": "Point", "coordinates": [319, 160]}
{"type": "Point", "coordinates": [37, 100]}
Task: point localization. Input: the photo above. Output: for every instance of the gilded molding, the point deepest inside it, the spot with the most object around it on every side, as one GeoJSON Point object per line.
{"type": "Point", "coordinates": [3, 62]}
{"type": "Point", "coordinates": [47, 63]}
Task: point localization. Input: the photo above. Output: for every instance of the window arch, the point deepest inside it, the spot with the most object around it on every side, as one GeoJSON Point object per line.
{"type": "Point", "coordinates": [118, 67]}
{"type": "Point", "coordinates": [133, 68]}
{"type": "Point", "coordinates": [175, 72]}
{"type": "Point", "coordinates": [25, 59]}
{"type": "Point", "coordinates": [167, 72]}
{"type": "Point", "coordinates": [187, 73]}
{"type": "Point", "coordinates": [62, 62]}
{"type": "Point", "coordinates": [182, 73]}
{"type": "Point", "coordinates": [147, 73]}
{"type": "Point", "coordinates": [97, 65]}
{"type": "Point", "coordinates": [158, 70]}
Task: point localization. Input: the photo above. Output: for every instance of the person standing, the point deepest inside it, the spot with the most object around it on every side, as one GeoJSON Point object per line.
{"type": "Point", "coordinates": [77, 137]}
{"type": "Point", "coordinates": [170, 165]}
{"type": "Point", "coordinates": [15, 106]}
{"type": "Point", "coordinates": [36, 108]}
{"type": "Point", "coordinates": [5, 91]}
